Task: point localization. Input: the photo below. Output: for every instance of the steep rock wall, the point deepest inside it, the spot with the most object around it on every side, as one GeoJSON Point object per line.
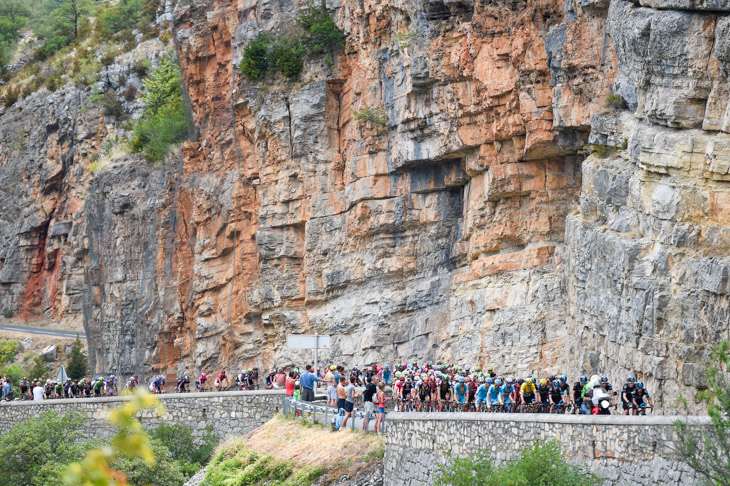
{"type": "Point", "coordinates": [469, 227]}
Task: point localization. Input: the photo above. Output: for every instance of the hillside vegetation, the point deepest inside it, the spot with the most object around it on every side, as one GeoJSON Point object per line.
{"type": "Point", "coordinates": [288, 452]}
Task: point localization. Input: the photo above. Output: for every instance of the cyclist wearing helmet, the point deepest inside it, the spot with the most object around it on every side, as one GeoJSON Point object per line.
{"type": "Point", "coordinates": [386, 374]}
{"type": "Point", "coordinates": [481, 395]}
{"type": "Point", "coordinates": [527, 391]}
{"type": "Point", "coordinates": [606, 385]}
{"type": "Point", "coordinates": [494, 394]}
{"type": "Point", "coordinates": [182, 383]}
{"type": "Point", "coordinates": [461, 390]}
{"type": "Point", "coordinates": [564, 388]}
{"type": "Point", "coordinates": [578, 394]}
{"type": "Point", "coordinates": [627, 394]}
{"type": "Point", "coordinates": [641, 399]}
{"type": "Point", "coordinates": [110, 387]}
{"type": "Point", "coordinates": [200, 382]}
{"type": "Point", "coordinates": [444, 391]}
{"type": "Point", "coordinates": [543, 391]}
{"type": "Point", "coordinates": [490, 372]}
{"type": "Point", "coordinates": [219, 381]}
{"type": "Point", "coordinates": [132, 382]}
{"type": "Point", "coordinates": [506, 395]}
{"type": "Point", "coordinates": [556, 394]}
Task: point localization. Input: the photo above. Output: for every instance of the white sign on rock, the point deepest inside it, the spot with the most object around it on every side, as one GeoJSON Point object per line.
{"type": "Point", "coordinates": [308, 341]}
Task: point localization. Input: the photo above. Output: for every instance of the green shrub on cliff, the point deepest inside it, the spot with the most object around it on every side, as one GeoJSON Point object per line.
{"type": "Point", "coordinates": [539, 464]}
{"type": "Point", "coordinates": [707, 450]}
{"type": "Point", "coordinates": [78, 362]}
{"type": "Point", "coordinates": [318, 35]}
{"type": "Point", "coordinates": [164, 123]}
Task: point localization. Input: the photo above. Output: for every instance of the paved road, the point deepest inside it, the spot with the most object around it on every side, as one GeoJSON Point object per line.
{"type": "Point", "coordinates": [43, 332]}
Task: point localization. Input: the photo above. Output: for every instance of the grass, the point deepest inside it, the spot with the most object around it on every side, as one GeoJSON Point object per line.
{"type": "Point", "coordinates": [302, 446]}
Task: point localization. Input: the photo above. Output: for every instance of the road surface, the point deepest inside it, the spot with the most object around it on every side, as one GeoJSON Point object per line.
{"type": "Point", "coordinates": [43, 332]}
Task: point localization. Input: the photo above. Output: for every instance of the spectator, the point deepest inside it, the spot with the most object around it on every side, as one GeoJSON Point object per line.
{"type": "Point", "coordinates": [367, 398]}
{"type": "Point", "coordinates": [341, 394]}
{"type": "Point", "coordinates": [7, 389]}
{"type": "Point", "coordinates": [329, 379]}
{"type": "Point", "coordinates": [38, 391]}
{"type": "Point", "coordinates": [279, 379]}
{"type": "Point", "coordinates": [349, 400]}
{"type": "Point", "coordinates": [380, 399]}
{"type": "Point", "coordinates": [290, 384]}
{"type": "Point", "coordinates": [307, 381]}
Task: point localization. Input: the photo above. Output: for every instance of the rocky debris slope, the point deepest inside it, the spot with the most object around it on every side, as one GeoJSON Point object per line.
{"type": "Point", "coordinates": [466, 224]}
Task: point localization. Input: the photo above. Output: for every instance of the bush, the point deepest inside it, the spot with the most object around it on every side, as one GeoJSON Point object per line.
{"type": "Point", "coordinates": [370, 115]}
{"type": "Point", "coordinates": [613, 101]}
{"type": "Point", "coordinates": [29, 445]}
{"type": "Point", "coordinates": [181, 444]}
{"type": "Point", "coordinates": [164, 123]}
{"type": "Point", "coordinates": [77, 363]}
{"type": "Point", "coordinates": [14, 372]}
{"type": "Point", "coordinates": [141, 67]}
{"type": "Point", "coordinates": [322, 34]}
{"type": "Point", "coordinates": [111, 104]}
{"type": "Point", "coordinates": [539, 464]}
{"type": "Point", "coordinates": [706, 449]}
{"type": "Point", "coordinates": [288, 57]}
{"type": "Point", "coordinates": [11, 95]}
{"type": "Point", "coordinates": [39, 369]}
{"type": "Point", "coordinates": [255, 61]}
{"type": "Point", "coordinates": [8, 350]}
{"type": "Point", "coordinates": [130, 93]}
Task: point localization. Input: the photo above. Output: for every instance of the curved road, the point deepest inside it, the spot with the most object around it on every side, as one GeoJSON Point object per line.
{"type": "Point", "coordinates": [43, 332]}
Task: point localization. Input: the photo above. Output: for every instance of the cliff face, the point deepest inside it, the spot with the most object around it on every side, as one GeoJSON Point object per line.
{"type": "Point", "coordinates": [470, 226]}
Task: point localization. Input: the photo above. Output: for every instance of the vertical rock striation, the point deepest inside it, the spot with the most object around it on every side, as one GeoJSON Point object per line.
{"type": "Point", "coordinates": [467, 224]}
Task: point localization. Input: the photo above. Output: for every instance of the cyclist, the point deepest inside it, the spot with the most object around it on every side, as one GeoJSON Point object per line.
{"type": "Point", "coordinates": [490, 371]}
{"type": "Point", "coordinates": [58, 389]}
{"type": "Point", "coordinates": [182, 383]}
{"type": "Point", "coordinates": [98, 385]}
{"type": "Point", "coordinates": [158, 384]}
{"type": "Point", "coordinates": [506, 394]}
{"type": "Point", "coordinates": [543, 393]}
{"type": "Point", "coordinates": [110, 386]}
{"type": "Point", "coordinates": [406, 390]}
{"type": "Point", "coordinates": [564, 389]}
{"type": "Point", "coordinates": [641, 398]}
{"type": "Point", "coordinates": [132, 383]}
{"type": "Point", "coordinates": [578, 394]}
{"type": "Point", "coordinates": [398, 391]}
{"type": "Point", "coordinates": [386, 374]}
{"type": "Point", "coordinates": [253, 378]}
{"type": "Point", "coordinates": [627, 394]}
{"type": "Point", "coordinates": [200, 382]}
{"type": "Point", "coordinates": [219, 381]}
{"type": "Point", "coordinates": [461, 391]}
{"type": "Point", "coordinates": [74, 391]}
{"type": "Point", "coordinates": [444, 392]}
{"type": "Point", "coordinates": [527, 392]}
{"type": "Point", "coordinates": [472, 383]}
{"type": "Point", "coordinates": [556, 395]}
{"type": "Point", "coordinates": [481, 395]}
{"type": "Point", "coordinates": [493, 393]}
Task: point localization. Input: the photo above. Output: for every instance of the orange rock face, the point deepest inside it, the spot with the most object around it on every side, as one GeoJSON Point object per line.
{"type": "Point", "coordinates": [423, 193]}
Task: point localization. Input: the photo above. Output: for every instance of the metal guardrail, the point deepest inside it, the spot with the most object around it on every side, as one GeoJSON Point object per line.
{"type": "Point", "coordinates": [324, 414]}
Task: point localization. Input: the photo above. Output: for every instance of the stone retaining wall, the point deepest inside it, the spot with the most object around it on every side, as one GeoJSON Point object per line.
{"type": "Point", "coordinates": [231, 414]}
{"type": "Point", "coordinates": [623, 450]}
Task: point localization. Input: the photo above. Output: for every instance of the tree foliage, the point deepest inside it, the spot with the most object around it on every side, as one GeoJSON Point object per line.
{"type": "Point", "coordinates": [39, 369]}
{"type": "Point", "coordinates": [78, 362]}
{"type": "Point", "coordinates": [30, 445]}
{"type": "Point", "coordinates": [164, 123]}
{"type": "Point", "coordinates": [536, 465]}
{"type": "Point", "coordinates": [318, 34]}
{"type": "Point", "coordinates": [707, 450]}
{"type": "Point", "coordinates": [182, 445]}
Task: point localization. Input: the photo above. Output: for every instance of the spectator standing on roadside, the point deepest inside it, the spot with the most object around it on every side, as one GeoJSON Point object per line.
{"type": "Point", "coordinates": [349, 400]}
{"type": "Point", "coordinates": [7, 389]}
{"type": "Point", "coordinates": [329, 379]}
{"type": "Point", "coordinates": [307, 381]}
{"type": "Point", "coordinates": [290, 381]}
{"type": "Point", "coordinates": [38, 391]}
{"type": "Point", "coordinates": [367, 398]}
{"type": "Point", "coordinates": [380, 399]}
{"type": "Point", "coordinates": [341, 394]}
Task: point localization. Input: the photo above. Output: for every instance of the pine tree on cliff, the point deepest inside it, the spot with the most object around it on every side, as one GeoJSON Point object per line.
{"type": "Point", "coordinates": [77, 363]}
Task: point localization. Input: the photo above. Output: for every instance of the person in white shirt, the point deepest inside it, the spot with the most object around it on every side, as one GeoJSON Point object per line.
{"type": "Point", "coordinates": [38, 393]}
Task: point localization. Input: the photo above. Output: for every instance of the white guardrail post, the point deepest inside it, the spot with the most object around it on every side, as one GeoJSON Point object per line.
{"type": "Point", "coordinates": [289, 406]}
